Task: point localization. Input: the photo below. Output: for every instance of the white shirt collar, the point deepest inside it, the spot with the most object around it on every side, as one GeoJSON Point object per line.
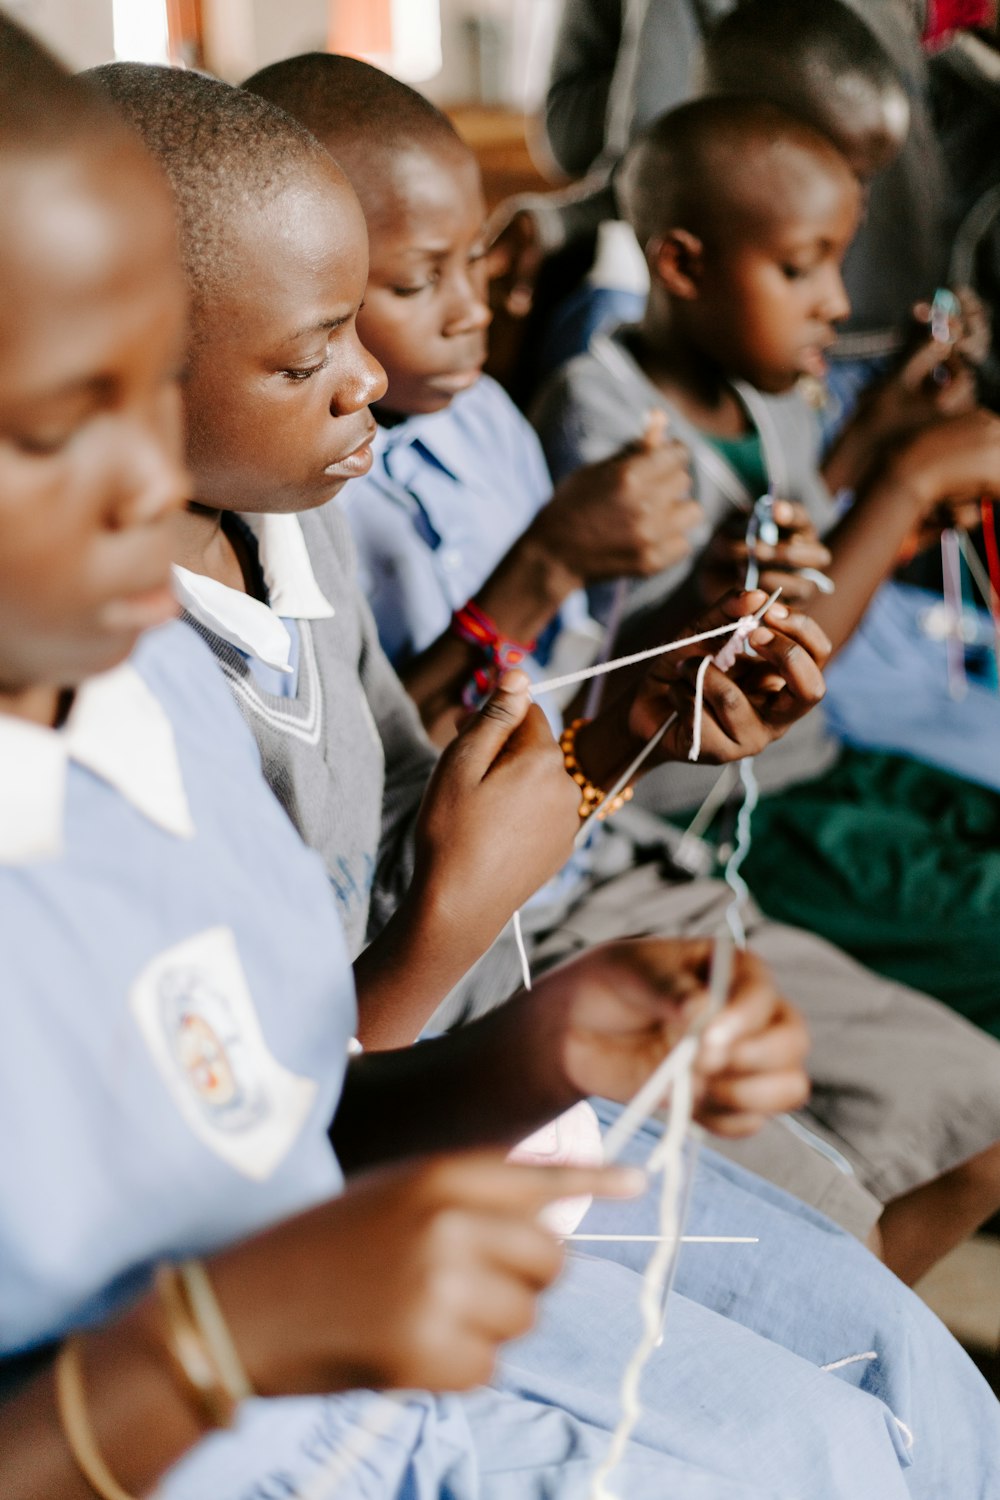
{"type": "Point", "coordinates": [247, 623]}
{"type": "Point", "coordinates": [118, 730]}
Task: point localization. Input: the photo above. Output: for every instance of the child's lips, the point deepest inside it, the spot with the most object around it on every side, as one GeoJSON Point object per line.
{"type": "Point", "coordinates": [141, 611]}
{"type": "Point", "coordinates": [456, 380]}
{"type": "Point", "coordinates": [355, 463]}
{"type": "Point", "coordinates": [813, 361]}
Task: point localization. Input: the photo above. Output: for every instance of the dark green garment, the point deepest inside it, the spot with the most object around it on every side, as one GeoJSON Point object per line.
{"type": "Point", "coordinates": [897, 863]}
{"type": "Point", "coordinates": [745, 456]}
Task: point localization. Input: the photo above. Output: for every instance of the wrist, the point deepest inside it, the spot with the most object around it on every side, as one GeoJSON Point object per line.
{"type": "Point", "coordinates": [545, 553]}
{"type": "Point", "coordinates": [604, 746]}
{"type": "Point", "coordinates": [912, 482]}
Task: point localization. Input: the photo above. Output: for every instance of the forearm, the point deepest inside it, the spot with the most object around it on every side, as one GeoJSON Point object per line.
{"type": "Point", "coordinates": [140, 1420]}
{"type": "Point", "coordinates": [521, 595]}
{"type": "Point", "coordinates": [409, 969]}
{"type": "Point", "coordinates": [491, 1083]}
{"type": "Point", "coordinates": [865, 546]}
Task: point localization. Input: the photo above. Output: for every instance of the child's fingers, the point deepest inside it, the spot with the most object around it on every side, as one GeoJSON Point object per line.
{"type": "Point", "coordinates": [773, 1038]}
{"type": "Point", "coordinates": [486, 1180]}
{"type": "Point", "coordinates": [920, 365]}
{"type": "Point", "coordinates": [793, 629]}
{"type": "Point", "coordinates": [523, 1247]}
{"type": "Point", "coordinates": [762, 1094]}
{"type": "Point", "coordinates": [654, 431]}
{"type": "Point", "coordinates": [483, 735]}
{"type": "Point", "coordinates": [505, 1307]}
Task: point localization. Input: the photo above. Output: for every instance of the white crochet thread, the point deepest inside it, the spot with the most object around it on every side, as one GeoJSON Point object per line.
{"type": "Point", "coordinates": [568, 679]}
{"type": "Point", "coordinates": [668, 1154]}
{"type": "Point", "coordinates": [522, 951]}
{"type": "Point", "coordinates": [676, 1072]}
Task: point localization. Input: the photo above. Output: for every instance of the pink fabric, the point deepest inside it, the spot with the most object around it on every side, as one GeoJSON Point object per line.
{"type": "Point", "coordinates": [574, 1138]}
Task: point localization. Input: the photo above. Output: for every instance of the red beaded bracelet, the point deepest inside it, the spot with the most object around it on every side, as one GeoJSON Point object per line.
{"type": "Point", "coordinates": [474, 626]}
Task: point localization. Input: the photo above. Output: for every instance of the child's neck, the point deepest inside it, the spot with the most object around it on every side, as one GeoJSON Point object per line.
{"type": "Point", "coordinates": [48, 706]}
{"type": "Point", "coordinates": [204, 542]}
{"type": "Point", "coordinates": [687, 376]}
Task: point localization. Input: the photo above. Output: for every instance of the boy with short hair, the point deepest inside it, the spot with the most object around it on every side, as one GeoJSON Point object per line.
{"type": "Point", "coordinates": [863, 1029]}
{"type": "Point", "coordinates": [830, 846]}
{"type": "Point", "coordinates": [505, 822]}
{"type": "Point", "coordinates": [177, 1096]}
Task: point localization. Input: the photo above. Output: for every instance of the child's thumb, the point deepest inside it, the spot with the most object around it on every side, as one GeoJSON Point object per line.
{"type": "Point", "coordinates": [655, 431]}
{"type": "Point", "coordinates": [485, 734]}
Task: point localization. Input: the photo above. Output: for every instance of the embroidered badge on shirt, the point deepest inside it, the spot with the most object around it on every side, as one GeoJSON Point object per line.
{"type": "Point", "coordinates": [195, 1011]}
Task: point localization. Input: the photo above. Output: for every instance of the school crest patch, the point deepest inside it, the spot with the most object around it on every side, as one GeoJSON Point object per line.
{"type": "Point", "coordinates": [194, 1009]}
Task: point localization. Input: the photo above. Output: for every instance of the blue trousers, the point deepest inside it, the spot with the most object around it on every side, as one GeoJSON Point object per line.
{"type": "Point", "coordinates": [736, 1404]}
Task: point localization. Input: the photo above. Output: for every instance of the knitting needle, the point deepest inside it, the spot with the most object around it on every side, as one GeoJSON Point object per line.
{"type": "Point", "coordinates": [657, 1239]}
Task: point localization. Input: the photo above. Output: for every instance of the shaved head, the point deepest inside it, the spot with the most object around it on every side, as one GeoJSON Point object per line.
{"type": "Point", "coordinates": [818, 60]}
{"type": "Point", "coordinates": [41, 106]}
{"type": "Point", "coordinates": [720, 167]}
{"type": "Point", "coordinates": [369, 121]}
{"type": "Point", "coordinates": [229, 157]}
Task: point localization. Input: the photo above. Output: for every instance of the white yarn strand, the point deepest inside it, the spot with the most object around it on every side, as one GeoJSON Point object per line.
{"type": "Point", "coordinates": [522, 951]}
{"type": "Point", "coordinates": [568, 679]}
{"type": "Point", "coordinates": [669, 1153]}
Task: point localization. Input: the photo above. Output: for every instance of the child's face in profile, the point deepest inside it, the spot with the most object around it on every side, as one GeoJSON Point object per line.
{"type": "Point", "coordinates": [91, 334]}
{"type": "Point", "coordinates": [770, 295]}
{"type": "Point", "coordinates": [279, 382]}
{"type": "Point", "coordinates": [426, 314]}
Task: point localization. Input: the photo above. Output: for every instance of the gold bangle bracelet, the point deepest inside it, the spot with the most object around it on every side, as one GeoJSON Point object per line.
{"type": "Point", "coordinates": [189, 1352]}
{"type": "Point", "coordinates": [592, 799]}
{"type": "Point", "coordinates": [71, 1399]}
{"type": "Point", "coordinates": [211, 1324]}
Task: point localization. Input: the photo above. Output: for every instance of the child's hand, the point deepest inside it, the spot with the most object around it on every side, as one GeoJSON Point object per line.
{"type": "Point", "coordinates": [629, 516]}
{"type": "Point", "coordinates": [933, 381]}
{"type": "Point", "coordinates": [498, 817]}
{"type": "Point", "coordinates": [412, 1279]}
{"type": "Point", "coordinates": [625, 1005]}
{"type": "Point", "coordinates": [746, 708]}
{"type": "Point", "coordinates": [723, 564]}
{"type": "Point", "coordinates": [970, 330]}
{"type": "Point", "coordinates": [945, 469]}
{"type": "Point", "coordinates": [514, 259]}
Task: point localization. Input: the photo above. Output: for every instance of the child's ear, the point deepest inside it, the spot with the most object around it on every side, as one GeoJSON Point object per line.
{"type": "Point", "coordinates": [676, 261]}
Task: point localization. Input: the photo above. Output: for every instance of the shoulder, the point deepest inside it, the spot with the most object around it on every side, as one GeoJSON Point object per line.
{"type": "Point", "coordinates": [592, 406]}
{"type": "Point", "coordinates": [487, 409]}
{"type": "Point", "coordinates": [180, 670]}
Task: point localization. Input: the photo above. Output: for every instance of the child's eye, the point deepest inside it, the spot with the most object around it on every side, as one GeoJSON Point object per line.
{"type": "Point", "coordinates": [303, 372]}
{"type": "Point", "coordinates": [411, 291]}
{"type": "Point", "coordinates": [44, 445]}
{"type": "Point", "coordinates": [795, 273]}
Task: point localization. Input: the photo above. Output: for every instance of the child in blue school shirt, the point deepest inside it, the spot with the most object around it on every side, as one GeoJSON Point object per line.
{"type": "Point", "coordinates": [424, 315]}
{"type": "Point", "coordinates": [177, 1008]}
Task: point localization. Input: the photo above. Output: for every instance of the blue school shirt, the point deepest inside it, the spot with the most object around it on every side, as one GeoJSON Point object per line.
{"type": "Point", "coordinates": [176, 1004]}
{"type": "Point", "coordinates": [447, 496]}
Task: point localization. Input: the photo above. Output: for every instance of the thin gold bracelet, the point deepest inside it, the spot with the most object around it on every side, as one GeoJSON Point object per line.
{"type": "Point", "coordinates": [211, 1323]}
{"type": "Point", "coordinates": [190, 1351]}
{"type": "Point", "coordinates": [592, 798]}
{"type": "Point", "coordinates": [71, 1399]}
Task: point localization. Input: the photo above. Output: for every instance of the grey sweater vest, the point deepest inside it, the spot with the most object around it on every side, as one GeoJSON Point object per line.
{"type": "Point", "coordinates": [346, 756]}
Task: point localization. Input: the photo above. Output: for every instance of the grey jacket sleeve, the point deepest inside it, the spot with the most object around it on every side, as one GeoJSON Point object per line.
{"type": "Point", "coordinates": [583, 66]}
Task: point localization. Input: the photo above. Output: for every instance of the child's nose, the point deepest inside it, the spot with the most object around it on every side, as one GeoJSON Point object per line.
{"type": "Point", "coordinates": [153, 480]}
{"type": "Point", "coordinates": [469, 312]}
{"type": "Point", "coordinates": [365, 384]}
{"type": "Point", "coordinates": [835, 303]}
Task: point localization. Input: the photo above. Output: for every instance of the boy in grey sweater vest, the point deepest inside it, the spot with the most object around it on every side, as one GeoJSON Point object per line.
{"type": "Point", "coordinates": [868, 1036]}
